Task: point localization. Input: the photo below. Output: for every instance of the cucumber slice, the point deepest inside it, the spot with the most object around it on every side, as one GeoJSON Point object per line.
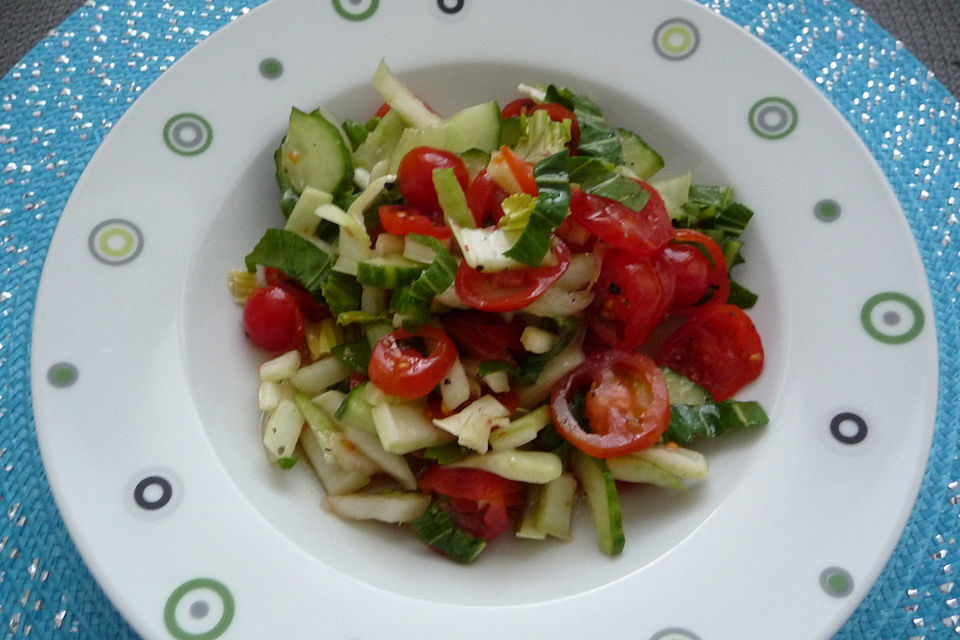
{"type": "Point", "coordinates": [355, 410]}
{"type": "Point", "coordinates": [555, 507]}
{"type": "Point", "coordinates": [314, 154]}
{"type": "Point", "coordinates": [404, 428]}
{"type": "Point", "coordinates": [388, 272]}
{"type": "Point", "coordinates": [380, 142]}
{"type": "Point", "coordinates": [476, 127]}
{"type": "Point", "coordinates": [644, 161]}
{"type": "Point", "coordinates": [601, 491]}
{"type": "Point", "coordinates": [475, 161]}
{"type": "Point", "coordinates": [682, 390]}
{"type": "Point", "coordinates": [675, 193]}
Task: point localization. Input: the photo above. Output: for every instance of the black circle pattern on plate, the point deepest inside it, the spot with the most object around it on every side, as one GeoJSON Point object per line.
{"type": "Point", "coordinates": [153, 503]}
{"type": "Point", "coordinates": [837, 423]}
{"type": "Point", "coordinates": [451, 6]}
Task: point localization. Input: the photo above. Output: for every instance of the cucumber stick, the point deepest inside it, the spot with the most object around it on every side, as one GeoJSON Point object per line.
{"type": "Point", "coordinates": [314, 154]}
{"type": "Point", "coordinates": [643, 160]}
{"type": "Point", "coordinates": [388, 272]}
{"type": "Point", "coordinates": [601, 491]}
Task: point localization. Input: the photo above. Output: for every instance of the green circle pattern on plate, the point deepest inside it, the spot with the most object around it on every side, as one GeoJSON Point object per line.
{"type": "Point", "coordinates": [836, 581]}
{"type": "Point", "coordinates": [883, 317]}
{"type": "Point", "coordinates": [773, 117]}
{"type": "Point", "coordinates": [271, 68]}
{"type": "Point", "coordinates": [356, 10]}
{"type": "Point", "coordinates": [827, 210]}
{"type": "Point", "coordinates": [62, 375]}
{"type": "Point", "coordinates": [187, 134]}
{"type": "Point", "coordinates": [199, 610]}
{"type": "Point", "coordinates": [676, 39]}
{"type": "Point", "coordinates": [115, 241]}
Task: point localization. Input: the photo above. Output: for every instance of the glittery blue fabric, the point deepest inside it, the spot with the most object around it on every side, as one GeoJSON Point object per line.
{"type": "Point", "coordinates": [59, 103]}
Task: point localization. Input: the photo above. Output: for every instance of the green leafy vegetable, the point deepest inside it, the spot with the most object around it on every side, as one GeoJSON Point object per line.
{"type": "Point", "coordinates": [446, 453]}
{"type": "Point", "coordinates": [295, 256]}
{"type": "Point", "coordinates": [600, 179]}
{"type": "Point", "coordinates": [353, 355]}
{"type": "Point", "coordinates": [689, 421]}
{"type": "Point", "coordinates": [437, 529]}
{"type": "Point", "coordinates": [287, 462]}
{"type": "Point", "coordinates": [741, 296]}
{"type": "Point", "coordinates": [597, 138]}
{"type": "Point", "coordinates": [356, 132]}
{"type": "Point", "coordinates": [517, 208]}
{"type": "Point", "coordinates": [288, 200]}
{"type": "Point", "coordinates": [413, 302]}
{"type": "Point", "coordinates": [342, 292]}
{"type": "Point", "coordinates": [541, 136]}
{"type": "Point", "coordinates": [551, 208]}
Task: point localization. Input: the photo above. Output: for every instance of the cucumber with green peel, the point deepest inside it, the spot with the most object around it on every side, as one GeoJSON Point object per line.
{"type": "Point", "coordinates": [475, 161]}
{"type": "Point", "coordinates": [388, 272]}
{"type": "Point", "coordinates": [332, 441]}
{"type": "Point", "coordinates": [601, 490]}
{"type": "Point", "coordinates": [675, 192]}
{"type": "Point", "coordinates": [643, 160]}
{"type": "Point", "coordinates": [404, 427]}
{"type": "Point", "coordinates": [355, 410]}
{"type": "Point", "coordinates": [380, 142]}
{"type": "Point", "coordinates": [682, 390]}
{"type": "Point", "coordinates": [476, 127]}
{"type": "Point", "coordinates": [537, 467]}
{"type": "Point", "coordinates": [555, 506]}
{"type": "Point", "coordinates": [638, 470]}
{"type": "Point", "coordinates": [315, 154]}
{"type": "Point", "coordinates": [335, 479]}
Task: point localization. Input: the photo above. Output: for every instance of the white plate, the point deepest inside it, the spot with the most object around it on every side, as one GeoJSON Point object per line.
{"type": "Point", "coordinates": [144, 385]}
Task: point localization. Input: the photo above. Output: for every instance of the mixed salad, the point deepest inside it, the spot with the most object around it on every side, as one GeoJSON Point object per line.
{"type": "Point", "coordinates": [472, 321]}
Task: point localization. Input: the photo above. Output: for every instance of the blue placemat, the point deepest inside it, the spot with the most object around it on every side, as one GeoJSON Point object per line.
{"type": "Point", "coordinates": [58, 104]}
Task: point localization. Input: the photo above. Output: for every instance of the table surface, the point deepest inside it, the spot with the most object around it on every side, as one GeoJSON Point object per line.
{"type": "Point", "coordinates": [925, 608]}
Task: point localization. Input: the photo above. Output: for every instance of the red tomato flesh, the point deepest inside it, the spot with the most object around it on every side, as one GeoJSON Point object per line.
{"type": "Point", "coordinates": [313, 310]}
{"type": "Point", "coordinates": [634, 293]}
{"type": "Point", "coordinates": [644, 232]}
{"type": "Point", "coordinates": [401, 370]}
{"type": "Point", "coordinates": [415, 176]}
{"type": "Point", "coordinates": [688, 246]}
{"type": "Point", "coordinates": [478, 499]}
{"type": "Point", "coordinates": [401, 220]}
{"type": "Point", "coordinates": [272, 319]}
{"type": "Point", "coordinates": [717, 347]}
{"type": "Point", "coordinates": [627, 404]}
{"type": "Point", "coordinates": [512, 289]}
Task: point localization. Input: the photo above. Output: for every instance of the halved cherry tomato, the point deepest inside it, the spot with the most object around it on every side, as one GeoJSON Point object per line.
{"type": "Point", "coordinates": [682, 253]}
{"type": "Point", "coordinates": [645, 231]}
{"type": "Point", "coordinates": [478, 499]}
{"type": "Point", "coordinates": [272, 319]}
{"type": "Point", "coordinates": [557, 113]}
{"type": "Point", "coordinates": [485, 336]}
{"type": "Point", "coordinates": [401, 220]}
{"type": "Point", "coordinates": [313, 310]}
{"type": "Point", "coordinates": [627, 404]}
{"type": "Point", "coordinates": [401, 370]}
{"type": "Point", "coordinates": [484, 197]}
{"type": "Point", "coordinates": [717, 347]}
{"type": "Point", "coordinates": [576, 236]}
{"type": "Point", "coordinates": [415, 176]}
{"type": "Point", "coordinates": [634, 293]}
{"type": "Point", "coordinates": [512, 289]}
